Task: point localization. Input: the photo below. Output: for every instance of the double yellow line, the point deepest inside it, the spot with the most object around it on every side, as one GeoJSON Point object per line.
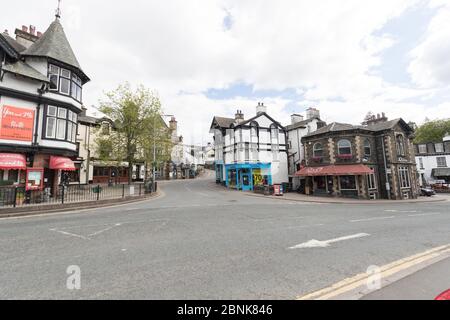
{"type": "Point", "coordinates": [355, 287]}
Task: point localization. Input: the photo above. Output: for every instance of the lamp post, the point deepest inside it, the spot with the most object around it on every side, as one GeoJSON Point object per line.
{"type": "Point", "coordinates": [154, 144]}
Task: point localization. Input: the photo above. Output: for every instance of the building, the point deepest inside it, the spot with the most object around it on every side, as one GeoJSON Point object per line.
{"type": "Point", "coordinates": [300, 127]}
{"type": "Point", "coordinates": [250, 153]}
{"type": "Point", "coordinates": [41, 83]}
{"type": "Point", "coordinates": [373, 161]}
{"type": "Point", "coordinates": [433, 160]}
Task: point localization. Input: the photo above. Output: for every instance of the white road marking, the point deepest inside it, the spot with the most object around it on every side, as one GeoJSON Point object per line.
{"type": "Point", "coordinates": [323, 244]}
{"type": "Point", "coordinates": [425, 214]}
{"type": "Point", "coordinates": [372, 219]}
{"type": "Point", "coordinates": [70, 234]}
{"type": "Point", "coordinates": [401, 211]}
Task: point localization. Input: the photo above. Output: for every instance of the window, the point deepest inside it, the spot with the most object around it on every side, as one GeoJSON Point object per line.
{"type": "Point", "coordinates": [61, 124]}
{"type": "Point", "coordinates": [441, 162]}
{"type": "Point", "coordinates": [405, 181]}
{"type": "Point", "coordinates": [422, 148]}
{"type": "Point", "coordinates": [254, 132]}
{"type": "Point", "coordinates": [66, 82]}
{"type": "Point", "coordinates": [367, 148]}
{"type": "Point", "coordinates": [421, 163]}
{"type": "Point", "coordinates": [274, 134]}
{"type": "Point", "coordinates": [247, 152]}
{"type": "Point", "coordinates": [400, 145]}
{"type": "Point", "coordinates": [439, 147]}
{"type": "Point", "coordinates": [344, 147]}
{"type": "Point", "coordinates": [53, 75]}
{"type": "Point", "coordinates": [347, 182]}
{"type": "Point", "coordinates": [318, 150]}
{"type": "Point", "coordinates": [371, 181]}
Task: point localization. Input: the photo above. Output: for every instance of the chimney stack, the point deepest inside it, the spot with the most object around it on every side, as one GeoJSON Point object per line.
{"type": "Point", "coordinates": [261, 108]}
{"type": "Point", "coordinates": [312, 113]}
{"type": "Point", "coordinates": [25, 29]}
{"type": "Point", "coordinates": [296, 118]}
{"type": "Point", "coordinates": [239, 116]}
{"type": "Point", "coordinates": [379, 118]}
{"type": "Point", "coordinates": [26, 36]}
{"type": "Point", "coordinates": [39, 34]}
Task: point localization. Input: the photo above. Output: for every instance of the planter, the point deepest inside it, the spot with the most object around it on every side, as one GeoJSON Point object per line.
{"type": "Point", "coordinates": [344, 156]}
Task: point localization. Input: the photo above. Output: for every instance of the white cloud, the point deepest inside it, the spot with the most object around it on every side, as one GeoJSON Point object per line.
{"type": "Point", "coordinates": [326, 49]}
{"type": "Point", "coordinates": [430, 65]}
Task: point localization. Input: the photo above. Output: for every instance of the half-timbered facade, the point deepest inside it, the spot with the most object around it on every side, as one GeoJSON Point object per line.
{"type": "Point", "coordinates": [251, 152]}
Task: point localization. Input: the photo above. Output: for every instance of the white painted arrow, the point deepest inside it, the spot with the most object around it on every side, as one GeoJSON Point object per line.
{"type": "Point", "coordinates": [323, 244]}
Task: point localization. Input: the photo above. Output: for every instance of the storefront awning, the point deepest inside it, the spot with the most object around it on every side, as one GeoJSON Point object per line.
{"type": "Point", "coordinates": [335, 170]}
{"type": "Point", "coordinates": [13, 161]}
{"type": "Point", "coordinates": [441, 172]}
{"type": "Point", "coordinates": [61, 163]}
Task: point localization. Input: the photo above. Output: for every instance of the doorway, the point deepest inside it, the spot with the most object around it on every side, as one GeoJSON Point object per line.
{"type": "Point", "coordinates": [246, 180]}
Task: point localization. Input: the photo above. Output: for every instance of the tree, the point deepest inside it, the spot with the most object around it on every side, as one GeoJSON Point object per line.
{"type": "Point", "coordinates": [133, 113]}
{"type": "Point", "coordinates": [432, 131]}
{"type": "Point", "coordinates": [369, 117]}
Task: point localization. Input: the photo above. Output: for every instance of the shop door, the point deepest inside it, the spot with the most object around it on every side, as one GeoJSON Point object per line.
{"type": "Point", "coordinates": [246, 181]}
{"type": "Point", "coordinates": [49, 179]}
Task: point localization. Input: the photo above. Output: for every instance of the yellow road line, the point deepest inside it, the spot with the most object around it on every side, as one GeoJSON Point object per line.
{"type": "Point", "coordinates": [391, 269]}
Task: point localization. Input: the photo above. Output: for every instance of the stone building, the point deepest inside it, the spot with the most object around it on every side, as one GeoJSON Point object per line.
{"type": "Point", "coordinates": [371, 161]}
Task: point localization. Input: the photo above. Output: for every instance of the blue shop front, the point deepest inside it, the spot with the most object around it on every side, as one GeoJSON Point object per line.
{"type": "Point", "coordinates": [245, 176]}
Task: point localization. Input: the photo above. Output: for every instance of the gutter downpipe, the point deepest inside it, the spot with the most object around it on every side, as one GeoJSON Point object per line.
{"type": "Point", "coordinates": [388, 186]}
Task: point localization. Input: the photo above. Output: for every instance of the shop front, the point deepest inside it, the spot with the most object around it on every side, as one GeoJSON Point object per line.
{"type": "Point", "coordinates": [337, 180]}
{"type": "Point", "coordinates": [246, 177]}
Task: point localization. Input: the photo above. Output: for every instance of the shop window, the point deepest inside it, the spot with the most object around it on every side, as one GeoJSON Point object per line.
{"type": "Point", "coordinates": [371, 181]}
{"type": "Point", "coordinates": [321, 183]}
{"type": "Point", "coordinates": [344, 147]}
{"type": "Point", "coordinates": [367, 148]}
{"type": "Point", "coordinates": [318, 150]}
{"type": "Point", "coordinates": [405, 181]}
{"type": "Point", "coordinates": [347, 182]}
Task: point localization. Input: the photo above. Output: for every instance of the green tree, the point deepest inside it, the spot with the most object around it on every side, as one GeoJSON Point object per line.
{"type": "Point", "coordinates": [432, 131]}
{"type": "Point", "coordinates": [133, 113]}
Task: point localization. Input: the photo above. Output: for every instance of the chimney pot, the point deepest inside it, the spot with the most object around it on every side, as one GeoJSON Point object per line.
{"type": "Point", "coordinates": [39, 34]}
{"type": "Point", "coordinates": [25, 29]}
{"type": "Point", "coordinates": [32, 30]}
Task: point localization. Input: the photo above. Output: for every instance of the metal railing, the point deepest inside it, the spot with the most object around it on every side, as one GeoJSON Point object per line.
{"type": "Point", "coordinates": [12, 197]}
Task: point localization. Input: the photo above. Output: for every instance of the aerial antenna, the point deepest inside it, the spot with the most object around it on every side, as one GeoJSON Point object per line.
{"type": "Point", "coordinates": [58, 10]}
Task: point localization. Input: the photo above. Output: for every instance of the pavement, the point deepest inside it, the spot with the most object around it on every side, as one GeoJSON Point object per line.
{"type": "Point", "coordinates": [200, 241]}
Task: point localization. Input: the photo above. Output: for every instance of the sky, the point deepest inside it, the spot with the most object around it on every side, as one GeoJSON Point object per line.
{"type": "Point", "coordinates": [211, 58]}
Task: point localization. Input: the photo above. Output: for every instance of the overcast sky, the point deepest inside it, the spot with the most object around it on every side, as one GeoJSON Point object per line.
{"type": "Point", "coordinates": [213, 57]}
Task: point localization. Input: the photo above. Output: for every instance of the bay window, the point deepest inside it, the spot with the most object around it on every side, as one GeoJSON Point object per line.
{"type": "Point", "coordinates": [65, 82]}
{"type": "Point", "coordinates": [61, 124]}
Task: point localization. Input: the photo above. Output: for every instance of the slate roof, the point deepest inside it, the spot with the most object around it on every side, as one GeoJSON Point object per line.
{"type": "Point", "coordinates": [54, 44]}
{"type": "Point", "coordinates": [13, 43]}
{"type": "Point", "coordinates": [224, 122]}
{"type": "Point", "coordinates": [339, 127]}
{"type": "Point", "coordinates": [301, 124]}
{"type": "Point", "coordinates": [23, 69]}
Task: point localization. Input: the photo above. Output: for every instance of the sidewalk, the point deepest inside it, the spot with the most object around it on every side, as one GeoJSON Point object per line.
{"type": "Point", "coordinates": [292, 196]}
{"type": "Point", "coordinates": [425, 284]}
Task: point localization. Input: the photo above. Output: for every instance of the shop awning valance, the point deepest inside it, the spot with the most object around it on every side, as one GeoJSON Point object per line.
{"type": "Point", "coordinates": [13, 161]}
{"type": "Point", "coordinates": [61, 163]}
{"type": "Point", "coordinates": [335, 170]}
{"type": "Point", "coordinates": [441, 172]}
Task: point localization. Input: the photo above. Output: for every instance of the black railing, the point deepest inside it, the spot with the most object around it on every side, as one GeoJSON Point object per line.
{"type": "Point", "coordinates": [18, 197]}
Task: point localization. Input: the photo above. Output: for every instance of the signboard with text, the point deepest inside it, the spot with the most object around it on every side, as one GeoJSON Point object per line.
{"type": "Point", "coordinates": [16, 123]}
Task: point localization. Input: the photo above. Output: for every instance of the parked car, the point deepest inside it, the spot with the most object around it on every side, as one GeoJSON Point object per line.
{"type": "Point", "coordinates": [427, 191]}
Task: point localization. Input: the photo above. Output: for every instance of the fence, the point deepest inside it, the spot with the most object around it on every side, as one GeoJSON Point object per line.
{"type": "Point", "coordinates": [12, 197]}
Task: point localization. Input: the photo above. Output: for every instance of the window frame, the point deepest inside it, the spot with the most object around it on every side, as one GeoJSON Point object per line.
{"type": "Point", "coordinates": [367, 145]}
{"type": "Point", "coordinates": [340, 147]}
{"type": "Point", "coordinates": [340, 183]}
{"type": "Point", "coordinates": [443, 164]}
{"type": "Point", "coordinates": [316, 149]}
{"type": "Point", "coordinates": [404, 177]}
{"type": "Point", "coordinates": [74, 80]}
{"type": "Point", "coordinates": [61, 119]}
{"type": "Point", "coordinates": [400, 143]}
{"type": "Point", "coordinates": [441, 145]}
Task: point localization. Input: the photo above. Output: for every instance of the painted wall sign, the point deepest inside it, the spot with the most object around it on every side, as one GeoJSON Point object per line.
{"type": "Point", "coordinates": [16, 123]}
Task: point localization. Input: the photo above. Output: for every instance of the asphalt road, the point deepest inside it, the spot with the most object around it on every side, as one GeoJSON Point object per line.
{"type": "Point", "coordinates": [200, 241]}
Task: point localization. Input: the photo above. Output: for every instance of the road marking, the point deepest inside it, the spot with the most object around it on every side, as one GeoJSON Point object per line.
{"type": "Point", "coordinates": [358, 283]}
{"type": "Point", "coordinates": [70, 234]}
{"type": "Point", "coordinates": [425, 214]}
{"type": "Point", "coordinates": [400, 211]}
{"type": "Point", "coordinates": [323, 244]}
{"type": "Point", "coordinates": [372, 219]}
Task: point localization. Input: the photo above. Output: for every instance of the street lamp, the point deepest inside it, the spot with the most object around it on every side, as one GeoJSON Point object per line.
{"type": "Point", "coordinates": [154, 144]}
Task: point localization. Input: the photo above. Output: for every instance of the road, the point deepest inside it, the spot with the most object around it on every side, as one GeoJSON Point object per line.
{"type": "Point", "coordinates": [200, 241]}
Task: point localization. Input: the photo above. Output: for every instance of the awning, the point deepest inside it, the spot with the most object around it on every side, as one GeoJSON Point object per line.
{"type": "Point", "coordinates": [335, 170]}
{"type": "Point", "coordinates": [13, 161]}
{"type": "Point", "coordinates": [441, 172]}
{"type": "Point", "coordinates": [61, 163]}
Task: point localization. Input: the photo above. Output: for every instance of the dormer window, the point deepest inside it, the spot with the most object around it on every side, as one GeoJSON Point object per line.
{"type": "Point", "coordinates": [65, 82]}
